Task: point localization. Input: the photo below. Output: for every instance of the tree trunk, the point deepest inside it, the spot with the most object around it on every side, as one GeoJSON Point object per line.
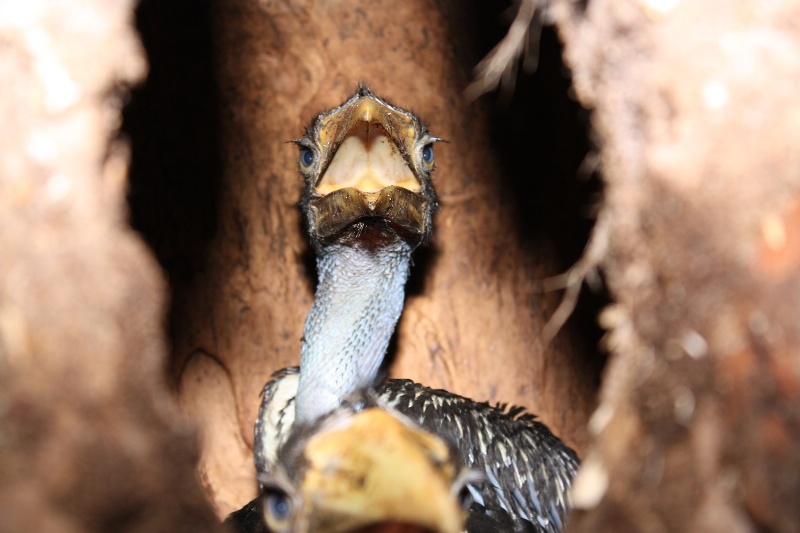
{"type": "Point", "coordinates": [695, 104]}
{"type": "Point", "coordinates": [90, 439]}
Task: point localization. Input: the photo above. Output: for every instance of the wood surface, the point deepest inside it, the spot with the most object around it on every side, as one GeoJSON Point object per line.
{"type": "Point", "coordinates": [696, 128]}
{"type": "Point", "coordinates": [699, 418]}
{"type": "Point", "coordinates": [90, 438]}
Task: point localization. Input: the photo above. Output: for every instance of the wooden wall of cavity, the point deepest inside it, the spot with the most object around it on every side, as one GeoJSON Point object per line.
{"type": "Point", "coordinates": [696, 122]}
{"type": "Point", "coordinates": [244, 279]}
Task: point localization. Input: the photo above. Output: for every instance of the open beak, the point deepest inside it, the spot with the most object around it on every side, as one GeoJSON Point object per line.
{"type": "Point", "coordinates": [369, 170]}
{"type": "Point", "coordinates": [372, 146]}
{"type": "Point", "coordinates": [377, 473]}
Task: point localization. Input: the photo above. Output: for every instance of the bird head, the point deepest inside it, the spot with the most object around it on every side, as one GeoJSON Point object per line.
{"type": "Point", "coordinates": [367, 167]}
{"type": "Point", "coordinates": [363, 471]}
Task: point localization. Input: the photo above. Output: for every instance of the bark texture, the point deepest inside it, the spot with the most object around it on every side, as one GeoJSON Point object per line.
{"type": "Point", "coordinates": [474, 314]}
{"type": "Point", "coordinates": [90, 439]}
{"type": "Point", "coordinates": [695, 108]}
{"type": "Point", "coordinates": [696, 120]}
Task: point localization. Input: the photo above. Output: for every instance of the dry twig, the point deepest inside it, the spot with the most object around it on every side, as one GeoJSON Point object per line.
{"type": "Point", "coordinates": [499, 67]}
{"type": "Point", "coordinates": [572, 280]}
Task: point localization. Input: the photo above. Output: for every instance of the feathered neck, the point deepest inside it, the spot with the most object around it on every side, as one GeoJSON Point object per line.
{"type": "Point", "coordinates": [358, 302]}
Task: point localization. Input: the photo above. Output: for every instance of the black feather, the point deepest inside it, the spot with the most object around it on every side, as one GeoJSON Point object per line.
{"type": "Point", "coordinates": [516, 448]}
{"type": "Point", "coordinates": [248, 519]}
{"type": "Point", "coordinates": [527, 470]}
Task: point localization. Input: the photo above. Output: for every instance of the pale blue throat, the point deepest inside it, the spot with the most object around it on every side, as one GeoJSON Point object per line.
{"type": "Point", "coordinates": [358, 302]}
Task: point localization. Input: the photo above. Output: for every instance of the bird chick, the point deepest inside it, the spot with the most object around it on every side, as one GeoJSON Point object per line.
{"type": "Point", "coordinates": [360, 468]}
{"type": "Point", "coordinates": [368, 203]}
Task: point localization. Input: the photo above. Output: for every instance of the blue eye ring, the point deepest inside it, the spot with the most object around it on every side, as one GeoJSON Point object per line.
{"type": "Point", "coordinates": [306, 157]}
{"type": "Point", "coordinates": [427, 154]}
{"type": "Point", "coordinates": [278, 505]}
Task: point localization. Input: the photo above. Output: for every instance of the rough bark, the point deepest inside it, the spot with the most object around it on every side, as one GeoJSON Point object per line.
{"type": "Point", "coordinates": [90, 439]}
{"type": "Point", "coordinates": [474, 315]}
{"type": "Point", "coordinates": [696, 119]}
{"type": "Point", "coordinates": [695, 109]}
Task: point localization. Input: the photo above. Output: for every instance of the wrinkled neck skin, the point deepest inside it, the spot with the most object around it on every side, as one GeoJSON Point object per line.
{"type": "Point", "coordinates": [358, 302]}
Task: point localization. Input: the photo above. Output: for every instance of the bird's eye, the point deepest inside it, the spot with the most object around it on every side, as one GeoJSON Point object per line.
{"type": "Point", "coordinates": [306, 158]}
{"type": "Point", "coordinates": [427, 154]}
{"type": "Point", "coordinates": [277, 510]}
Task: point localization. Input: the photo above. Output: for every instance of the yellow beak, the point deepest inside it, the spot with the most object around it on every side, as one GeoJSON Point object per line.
{"type": "Point", "coordinates": [375, 471]}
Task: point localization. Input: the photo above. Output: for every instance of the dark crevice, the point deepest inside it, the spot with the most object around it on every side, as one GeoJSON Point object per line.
{"type": "Point", "coordinates": [541, 136]}
{"type": "Point", "coordinates": [172, 122]}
